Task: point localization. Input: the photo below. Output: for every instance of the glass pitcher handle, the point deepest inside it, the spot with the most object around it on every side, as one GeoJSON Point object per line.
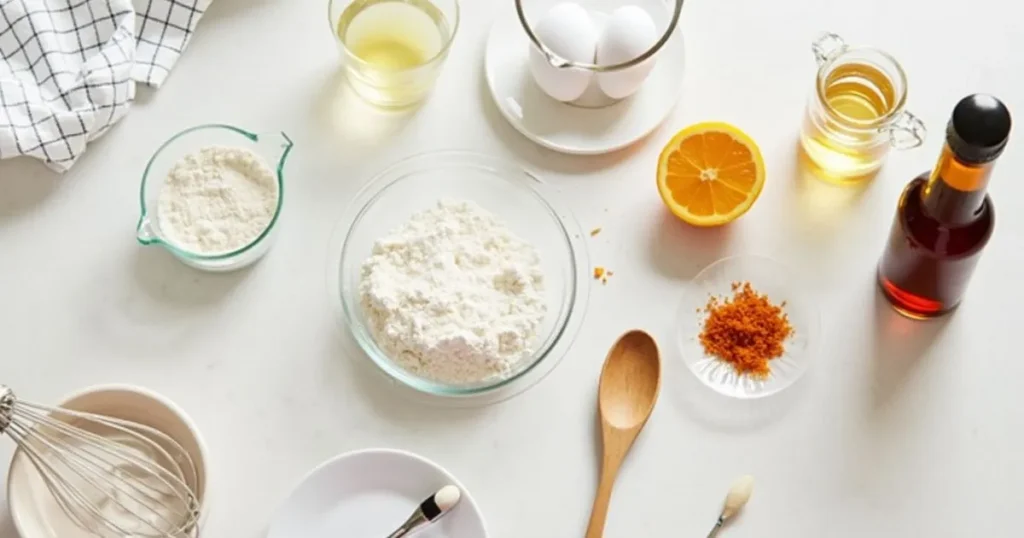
{"type": "Point", "coordinates": [826, 46]}
{"type": "Point", "coordinates": [907, 131]}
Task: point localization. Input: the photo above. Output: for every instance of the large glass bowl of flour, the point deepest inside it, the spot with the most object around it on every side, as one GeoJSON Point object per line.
{"type": "Point", "coordinates": [459, 182]}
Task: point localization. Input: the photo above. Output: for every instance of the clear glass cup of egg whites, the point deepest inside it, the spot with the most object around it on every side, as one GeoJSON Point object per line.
{"type": "Point", "coordinates": [598, 51]}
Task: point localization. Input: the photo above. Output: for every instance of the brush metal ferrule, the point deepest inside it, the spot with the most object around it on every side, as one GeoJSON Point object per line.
{"type": "Point", "coordinates": [415, 521]}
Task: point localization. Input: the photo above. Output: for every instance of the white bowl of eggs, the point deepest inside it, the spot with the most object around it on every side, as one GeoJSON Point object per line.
{"type": "Point", "coordinates": [586, 76]}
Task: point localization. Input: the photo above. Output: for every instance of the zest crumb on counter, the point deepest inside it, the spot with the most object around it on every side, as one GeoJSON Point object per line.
{"type": "Point", "coordinates": [602, 274]}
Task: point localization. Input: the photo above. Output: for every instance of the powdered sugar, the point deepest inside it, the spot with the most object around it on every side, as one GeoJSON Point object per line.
{"type": "Point", "coordinates": [453, 295]}
{"type": "Point", "coordinates": [217, 200]}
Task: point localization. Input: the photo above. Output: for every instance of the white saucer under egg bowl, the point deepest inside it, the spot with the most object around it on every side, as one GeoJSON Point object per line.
{"type": "Point", "coordinates": [580, 128]}
{"type": "Point", "coordinates": [274, 148]}
{"type": "Point", "coordinates": [370, 493]}
{"type": "Point", "coordinates": [782, 284]}
{"type": "Point", "coordinates": [529, 207]}
{"type": "Point", "coordinates": [128, 402]}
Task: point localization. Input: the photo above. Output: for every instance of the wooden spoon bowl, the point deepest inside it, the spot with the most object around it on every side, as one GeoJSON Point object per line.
{"type": "Point", "coordinates": [628, 390]}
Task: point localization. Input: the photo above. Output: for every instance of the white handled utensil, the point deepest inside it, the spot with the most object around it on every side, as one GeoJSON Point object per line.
{"type": "Point", "coordinates": [738, 496]}
{"type": "Point", "coordinates": [429, 511]}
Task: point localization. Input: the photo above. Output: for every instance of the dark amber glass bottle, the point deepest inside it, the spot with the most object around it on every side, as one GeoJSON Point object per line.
{"type": "Point", "coordinates": [945, 218]}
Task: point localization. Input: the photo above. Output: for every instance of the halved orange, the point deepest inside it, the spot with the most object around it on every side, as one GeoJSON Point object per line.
{"type": "Point", "coordinates": [710, 173]}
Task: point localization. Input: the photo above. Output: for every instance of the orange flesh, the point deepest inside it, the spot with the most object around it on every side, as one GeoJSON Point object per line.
{"type": "Point", "coordinates": [710, 173]}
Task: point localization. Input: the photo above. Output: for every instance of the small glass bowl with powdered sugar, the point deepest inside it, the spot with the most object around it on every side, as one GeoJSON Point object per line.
{"type": "Point", "coordinates": [460, 275]}
{"type": "Point", "coordinates": [212, 194]}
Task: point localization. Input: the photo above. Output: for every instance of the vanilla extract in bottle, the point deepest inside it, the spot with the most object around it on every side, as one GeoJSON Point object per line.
{"type": "Point", "coordinates": [945, 218]}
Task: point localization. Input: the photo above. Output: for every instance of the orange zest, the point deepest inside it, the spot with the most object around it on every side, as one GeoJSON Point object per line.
{"type": "Point", "coordinates": [746, 330]}
{"type": "Point", "coordinates": [710, 173]}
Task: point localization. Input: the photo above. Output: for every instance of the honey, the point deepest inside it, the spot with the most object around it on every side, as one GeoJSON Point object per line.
{"type": "Point", "coordinates": [855, 94]}
{"type": "Point", "coordinates": [856, 112]}
{"type": "Point", "coordinates": [860, 92]}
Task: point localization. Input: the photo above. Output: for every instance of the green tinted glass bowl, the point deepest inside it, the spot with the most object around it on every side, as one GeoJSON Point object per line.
{"type": "Point", "coordinates": [274, 148]}
{"type": "Point", "coordinates": [523, 202]}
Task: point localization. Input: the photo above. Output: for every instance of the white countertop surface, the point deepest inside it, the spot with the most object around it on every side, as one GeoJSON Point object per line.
{"type": "Point", "coordinates": [899, 429]}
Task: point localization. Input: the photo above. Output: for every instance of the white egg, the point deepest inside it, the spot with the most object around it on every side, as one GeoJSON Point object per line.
{"type": "Point", "coordinates": [569, 32]}
{"type": "Point", "coordinates": [630, 33]}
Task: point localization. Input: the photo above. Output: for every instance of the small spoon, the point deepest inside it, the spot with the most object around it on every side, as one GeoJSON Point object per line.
{"type": "Point", "coordinates": [738, 496]}
{"type": "Point", "coordinates": [630, 380]}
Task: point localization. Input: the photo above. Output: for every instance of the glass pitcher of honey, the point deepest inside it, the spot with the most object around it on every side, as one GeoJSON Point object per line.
{"type": "Point", "coordinates": [856, 112]}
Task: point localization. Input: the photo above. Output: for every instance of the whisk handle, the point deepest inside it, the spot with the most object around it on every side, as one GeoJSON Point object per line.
{"type": "Point", "coordinates": [7, 401]}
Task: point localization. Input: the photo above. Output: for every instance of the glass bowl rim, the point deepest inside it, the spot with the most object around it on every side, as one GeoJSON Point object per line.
{"type": "Point", "coordinates": [182, 251]}
{"type": "Point", "coordinates": [440, 55]}
{"type": "Point", "coordinates": [371, 192]}
{"type": "Point", "coordinates": [562, 63]}
{"type": "Point", "coordinates": [684, 312]}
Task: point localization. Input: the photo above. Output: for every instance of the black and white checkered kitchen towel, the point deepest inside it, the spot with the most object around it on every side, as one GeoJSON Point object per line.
{"type": "Point", "coordinates": [68, 68]}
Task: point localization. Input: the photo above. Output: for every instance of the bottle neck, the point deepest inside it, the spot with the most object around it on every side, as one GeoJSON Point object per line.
{"type": "Point", "coordinates": [955, 193]}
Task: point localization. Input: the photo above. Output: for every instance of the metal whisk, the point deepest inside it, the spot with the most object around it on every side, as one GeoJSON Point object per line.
{"type": "Point", "coordinates": [111, 477]}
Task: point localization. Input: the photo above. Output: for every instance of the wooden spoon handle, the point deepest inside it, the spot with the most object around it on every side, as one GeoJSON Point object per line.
{"type": "Point", "coordinates": [615, 448]}
{"type": "Point", "coordinates": [603, 497]}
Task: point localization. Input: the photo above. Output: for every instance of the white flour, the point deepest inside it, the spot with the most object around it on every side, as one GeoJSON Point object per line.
{"type": "Point", "coordinates": [217, 200]}
{"type": "Point", "coordinates": [453, 295]}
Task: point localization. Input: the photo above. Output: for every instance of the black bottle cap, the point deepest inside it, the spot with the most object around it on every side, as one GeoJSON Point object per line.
{"type": "Point", "coordinates": [978, 131]}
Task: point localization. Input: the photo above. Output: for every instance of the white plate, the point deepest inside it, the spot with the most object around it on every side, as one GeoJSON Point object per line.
{"type": "Point", "coordinates": [572, 129]}
{"type": "Point", "coordinates": [368, 494]}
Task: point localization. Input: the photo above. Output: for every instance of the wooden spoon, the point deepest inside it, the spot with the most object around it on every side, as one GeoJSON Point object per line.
{"type": "Point", "coordinates": [630, 380]}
